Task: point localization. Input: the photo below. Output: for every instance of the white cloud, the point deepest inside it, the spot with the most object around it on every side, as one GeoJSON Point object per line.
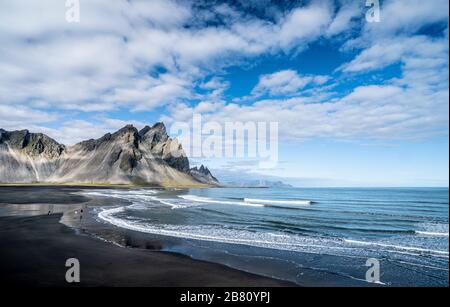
{"type": "Point", "coordinates": [285, 82]}
{"type": "Point", "coordinates": [160, 12]}
{"type": "Point", "coordinates": [12, 116]}
{"type": "Point", "coordinates": [407, 16]}
{"type": "Point", "coordinates": [392, 111]}
{"type": "Point", "coordinates": [396, 37]}
{"type": "Point", "coordinates": [414, 105]}
{"type": "Point", "coordinates": [104, 62]}
{"type": "Point", "coordinates": [305, 23]}
{"type": "Point", "coordinates": [390, 51]}
{"type": "Point", "coordinates": [139, 55]}
{"type": "Point", "coordinates": [343, 20]}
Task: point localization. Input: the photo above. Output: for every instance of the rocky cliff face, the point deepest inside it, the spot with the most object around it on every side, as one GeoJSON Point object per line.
{"type": "Point", "coordinates": [127, 156]}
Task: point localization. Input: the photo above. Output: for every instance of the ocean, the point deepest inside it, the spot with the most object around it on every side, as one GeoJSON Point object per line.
{"type": "Point", "coordinates": [314, 236]}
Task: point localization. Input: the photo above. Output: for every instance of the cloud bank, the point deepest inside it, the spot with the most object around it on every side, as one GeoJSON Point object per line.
{"type": "Point", "coordinates": [138, 56]}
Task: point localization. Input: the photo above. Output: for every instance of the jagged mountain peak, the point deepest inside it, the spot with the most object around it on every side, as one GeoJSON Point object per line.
{"type": "Point", "coordinates": [33, 144]}
{"type": "Point", "coordinates": [202, 169]}
{"type": "Point", "coordinates": [144, 130]}
{"type": "Point", "coordinates": [159, 126]}
{"type": "Point", "coordinates": [129, 134]}
{"type": "Point", "coordinates": [203, 174]}
{"type": "Point", "coordinates": [126, 129]}
{"type": "Point", "coordinates": [153, 136]}
{"type": "Point", "coordinates": [156, 127]}
{"type": "Point", "coordinates": [148, 156]}
{"type": "Point", "coordinates": [92, 144]}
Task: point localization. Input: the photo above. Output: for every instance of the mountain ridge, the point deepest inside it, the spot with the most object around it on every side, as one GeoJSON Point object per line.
{"type": "Point", "coordinates": [128, 156]}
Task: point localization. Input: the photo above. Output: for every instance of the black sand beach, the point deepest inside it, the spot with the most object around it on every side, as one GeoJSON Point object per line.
{"type": "Point", "coordinates": [34, 250]}
{"type": "Point", "coordinates": [41, 227]}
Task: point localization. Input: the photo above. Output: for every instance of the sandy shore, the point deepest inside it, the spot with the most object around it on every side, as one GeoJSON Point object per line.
{"type": "Point", "coordinates": [34, 251]}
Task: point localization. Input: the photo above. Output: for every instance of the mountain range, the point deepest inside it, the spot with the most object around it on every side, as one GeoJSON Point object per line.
{"type": "Point", "coordinates": [128, 156]}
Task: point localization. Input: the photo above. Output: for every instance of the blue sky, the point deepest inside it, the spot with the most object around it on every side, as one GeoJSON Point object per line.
{"type": "Point", "coordinates": [358, 103]}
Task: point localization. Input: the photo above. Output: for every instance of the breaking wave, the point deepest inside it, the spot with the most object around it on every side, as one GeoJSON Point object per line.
{"type": "Point", "coordinates": [216, 201]}
{"type": "Point", "coordinates": [435, 234]}
{"type": "Point", "coordinates": [432, 230]}
{"type": "Point", "coordinates": [278, 202]}
{"type": "Point", "coordinates": [280, 241]}
{"type": "Point", "coordinates": [320, 223]}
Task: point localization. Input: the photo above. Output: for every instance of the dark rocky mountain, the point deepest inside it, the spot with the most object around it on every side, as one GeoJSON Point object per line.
{"type": "Point", "coordinates": [128, 156]}
{"type": "Point", "coordinates": [202, 174]}
{"type": "Point", "coordinates": [34, 144]}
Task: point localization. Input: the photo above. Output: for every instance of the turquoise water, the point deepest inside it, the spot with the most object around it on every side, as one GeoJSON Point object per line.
{"type": "Point", "coordinates": [278, 232]}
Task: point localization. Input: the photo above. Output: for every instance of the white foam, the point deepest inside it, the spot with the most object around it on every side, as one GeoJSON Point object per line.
{"type": "Point", "coordinates": [107, 213]}
{"type": "Point", "coordinates": [138, 197]}
{"type": "Point", "coordinates": [434, 234]}
{"type": "Point", "coordinates": [170, 204]}
{"type": "Point", "coordinates": [278, 202]}
{"type": "Point", "coordinates": [143, 194]}
{"type": "Point", "coordinates": [215, 234]}
{"type": "Point", "coordinates": [146, 199]}
{"type": "Point", "coordinates": [278, 241]}
{"type": "Point", "coordinates": [432, 230]}
{"type": "Point", "coordinates": [400, 247]}
{"type": "Point", "coordinates": [208, 200]}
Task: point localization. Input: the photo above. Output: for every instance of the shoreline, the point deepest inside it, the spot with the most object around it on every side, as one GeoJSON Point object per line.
{"type": "Point", "coordinates": [38, 233]}
{"type": "Point", "coordinates": [34, 251]}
